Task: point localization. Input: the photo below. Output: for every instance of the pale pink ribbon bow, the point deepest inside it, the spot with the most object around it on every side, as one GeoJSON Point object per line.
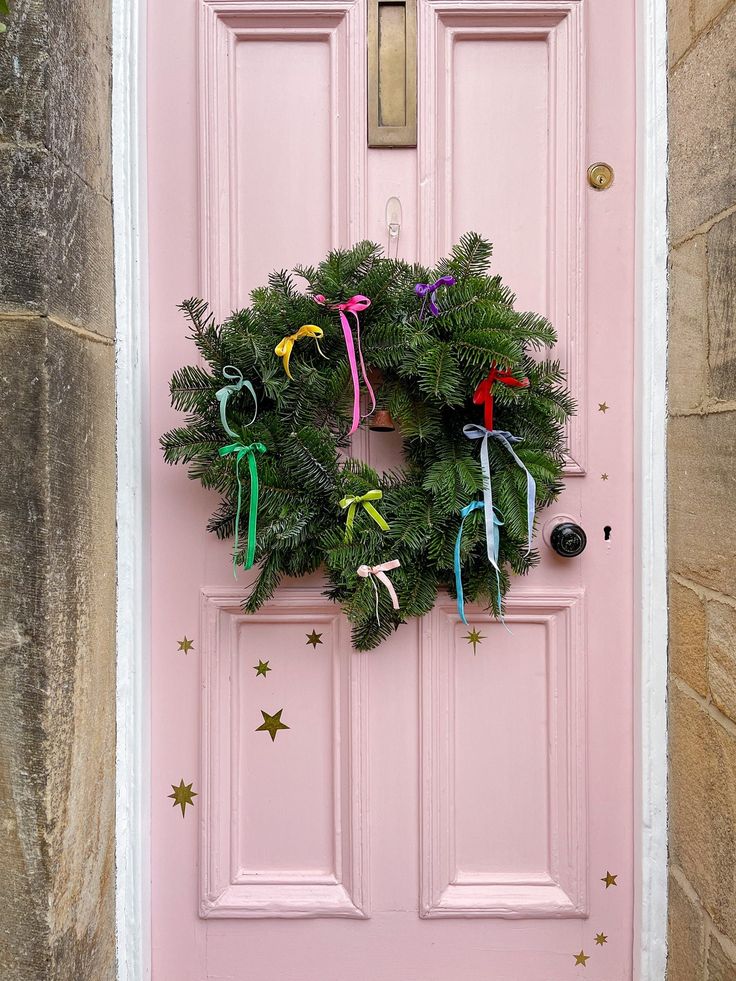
{"type": "Point", "coordinates": [379, 571]}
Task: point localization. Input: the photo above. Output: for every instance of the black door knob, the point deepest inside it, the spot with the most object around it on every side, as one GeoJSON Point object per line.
{"type": "Point", "coordinates": [568, 539]}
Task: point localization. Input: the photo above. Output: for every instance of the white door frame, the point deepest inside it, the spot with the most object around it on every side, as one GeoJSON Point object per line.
{"type": "Point", "coordinates": [133, 708]}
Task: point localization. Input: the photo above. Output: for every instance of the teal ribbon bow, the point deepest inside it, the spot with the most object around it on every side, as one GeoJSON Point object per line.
{"type": "Point", "coordinates": [241, 449]}
{"type": "Point", "coordinates": [351, 504]}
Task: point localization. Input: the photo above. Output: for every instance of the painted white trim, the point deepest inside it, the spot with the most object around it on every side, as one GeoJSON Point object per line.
{"type": "Point", "coordinates": [131, 310]}
{"type": "Point", "coordinates": [133, 765]}
{"type": "Point", "coordinates": [650, 929]}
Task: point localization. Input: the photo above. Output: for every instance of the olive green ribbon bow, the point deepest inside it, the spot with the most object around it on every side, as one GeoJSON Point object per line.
{"type": "Point", "coordinates": [241, 449]}
{"type": "Point", "coordinates": [351, 504]}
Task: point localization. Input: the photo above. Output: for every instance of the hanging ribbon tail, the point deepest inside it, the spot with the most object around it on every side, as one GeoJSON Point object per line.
{"type": "Point", "coordinates": [483, 396]}
{"type": "Point", "coordinates": [364, 372]}
{"type": "Point", "coordinates": [283, 350]}
{"type": "Point", "coordinates": [468, 509]}
{"type": "Point", "coordinates": [377, 517]}
{"type": "Point", "coordinates": [350, 346]}
{"type": "Point", "coordinates": [354, 305]}
{"type": "Point", "coordinates": [506, 439]}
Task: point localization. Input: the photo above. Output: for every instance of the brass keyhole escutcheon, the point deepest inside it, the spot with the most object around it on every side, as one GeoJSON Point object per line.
{"type": "Point", "coordinates": [600, 176]}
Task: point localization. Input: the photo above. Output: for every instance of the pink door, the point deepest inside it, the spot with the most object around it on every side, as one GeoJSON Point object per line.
{"type": "Point", "coordinates": [430, 815]}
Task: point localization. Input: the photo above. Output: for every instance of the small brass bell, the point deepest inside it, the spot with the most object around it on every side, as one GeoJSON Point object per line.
{"type": "Point", "coordinates": [381, 422]}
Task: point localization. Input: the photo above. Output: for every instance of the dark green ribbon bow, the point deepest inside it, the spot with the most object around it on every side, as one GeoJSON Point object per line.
{"type": "Point", "coordinates": [241, 449]}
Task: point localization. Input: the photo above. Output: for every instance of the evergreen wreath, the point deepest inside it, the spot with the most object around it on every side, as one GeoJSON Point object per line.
{"type": "Point", "coordinates": [447, 344]}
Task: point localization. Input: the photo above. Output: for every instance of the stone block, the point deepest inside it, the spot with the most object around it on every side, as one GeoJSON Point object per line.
{"type": "Point", "coordinates": [685, 935]}
{"type": "Point", "coordinates": [703, 805]}
{"type": "Point", "coordinates": [706, 11]}
{"type": "Point", "coordinates": [24, 74]}
{"type": "Point", "coordinates": [687, 652]}
{"type": "Point", "coordinates": [701, 492]}
{"type": "Point", "coordinates": [79, 89]}
{"type": "Point", "coordinates": [702, 105]}
{"type": "Point", "coordinates": [57, 670]}
{"type": "Point", "coordinates": [722, 656]}
{"type": "Point", "coordinates": [55, 81]}
{"type": "Point", "coordinates": [688, 324]}
{"type": "Point", "coordinates": [679, 31]}
{"type": "Point", "coordinates": [721, 960]}
{"type": "Point", "coordinates": [61, 260]}
{"type": "Point", "coordinates": [722, 307]}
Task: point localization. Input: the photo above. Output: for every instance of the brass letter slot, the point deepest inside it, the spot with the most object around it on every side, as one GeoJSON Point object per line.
{"type": "Point", "coordinates": [392, 73]}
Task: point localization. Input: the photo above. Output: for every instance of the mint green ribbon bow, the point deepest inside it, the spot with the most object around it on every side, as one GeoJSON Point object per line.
{"type": "Point", "coordinates": [351, 504]}
{"type": "Point", "coordinates": [241, 449]}
{"type": "Point", "coordinates": [234, 375]}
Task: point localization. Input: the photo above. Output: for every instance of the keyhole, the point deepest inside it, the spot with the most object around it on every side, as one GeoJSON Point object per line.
{"type": "Point", "coordinates": [607, 533]}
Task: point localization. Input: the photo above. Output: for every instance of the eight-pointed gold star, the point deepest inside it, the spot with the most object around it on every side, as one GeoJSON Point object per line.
{"type": "Point", "coordinates": [610, 880]}
{"type": "Point", "coordinates": [271, 724]}
{"type": "Point", "coordinates": [581, 958]}
{"type": "Point", "coordinates": [602, 407]}
{"type": "Point", "coordinates": [314, 638]}
{"type": "Point", "coordinates": [185, 645]}
{"type": "Point", "coordinates": [600, 939]}
{"type": "Point", "coordinates": [604, 476]}
{"type": "Point", "coordinates": [261, 668]}
{"type": "Point", "coordinates": [183, 795]}
{"type": "Point", "coordinates": [474, 637]}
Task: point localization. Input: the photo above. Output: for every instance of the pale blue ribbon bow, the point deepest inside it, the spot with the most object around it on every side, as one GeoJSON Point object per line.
{"type": "Point", "coordinates": [473, 431]}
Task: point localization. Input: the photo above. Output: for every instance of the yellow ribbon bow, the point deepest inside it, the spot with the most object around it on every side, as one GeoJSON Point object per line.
{"type": "Point", "coordinates": [351, 504]}
{"type": "Point", "coordinates": [284, 347]}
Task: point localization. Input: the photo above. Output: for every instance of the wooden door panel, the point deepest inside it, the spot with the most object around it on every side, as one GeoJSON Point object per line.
{"type": "Point", "coordinates": [501, 135]}
{"type": "Point", "coordinates": [282, 157]}
{"type": "Point", "coordinates": [284, 828]}
{"type": "Point", "coordinates": [504, 806]}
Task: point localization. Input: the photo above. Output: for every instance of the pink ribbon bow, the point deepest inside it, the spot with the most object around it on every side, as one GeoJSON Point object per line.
{"type": "Point", "coordinates": [379, 571]}
{"type": "Point", "coordinates": [355, 305]}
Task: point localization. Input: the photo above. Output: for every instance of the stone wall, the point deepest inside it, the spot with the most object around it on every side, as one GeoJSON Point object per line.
{"type": "Point", "coordinates": [57, 495]}
{"type": "Point", "coordinates": [702, 490]}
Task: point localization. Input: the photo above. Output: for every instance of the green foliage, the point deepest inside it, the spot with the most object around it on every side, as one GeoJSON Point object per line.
{"type": "Point", "coordinates": [4, 12]}
{"type": "Point", "coordinates": [429, 371]}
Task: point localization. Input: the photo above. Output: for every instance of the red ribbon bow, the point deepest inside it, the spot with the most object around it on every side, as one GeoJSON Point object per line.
{"type": "Point", "coordinates": [483, 394]}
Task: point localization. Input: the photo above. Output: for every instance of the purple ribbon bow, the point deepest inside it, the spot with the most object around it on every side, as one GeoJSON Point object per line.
{"type": "Point", "coordinates": [426, 291]}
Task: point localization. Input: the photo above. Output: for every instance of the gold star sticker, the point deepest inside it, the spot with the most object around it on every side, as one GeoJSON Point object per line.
{"type": "Point", "coordinates": [474, 637]}
{"type": "Point", "coordinates": [600, 939]}
{"type": "Point", "coordinates": [183, 795]}
{"type": "Point", "coordinates": [581, 958]}
{"type": "Point", "coordinates": [604, 476]}
{"type": "Point", "coordinates": [271, 724]}
{"type": "Point", "coordinates": [261, 668]}
{"type": "Point", "coordinates": [314, 638]}
{"type": "Point", "coordinates": [185, 645]}
{"type": "Point", "coordinates": [610, 880]}
{"type": "Point", "coordinates": [602, 407]}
